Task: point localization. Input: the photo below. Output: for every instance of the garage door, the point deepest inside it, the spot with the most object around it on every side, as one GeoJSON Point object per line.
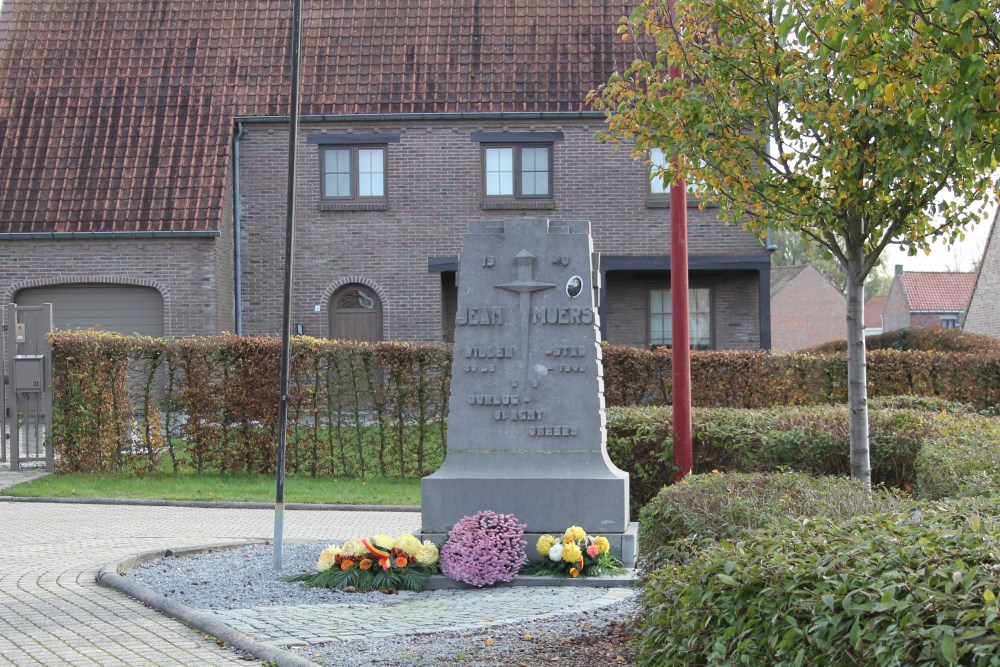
{"type": "Point", "coordinates": [122, 308]}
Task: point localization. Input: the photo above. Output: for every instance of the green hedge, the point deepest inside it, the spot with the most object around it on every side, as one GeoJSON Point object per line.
{"type": "Point", "coordinates": [126, 403]}
{"type": "Point", "coordinates": [914, 586]}
{"type": "Point", "coordinates": [736, 379]}
{"type": "Point", "coordinates": [810, 439]}
{"type": "Point", "coordinates": [720, 506]}
{"type": "Point", "coordinates": [131, 403]}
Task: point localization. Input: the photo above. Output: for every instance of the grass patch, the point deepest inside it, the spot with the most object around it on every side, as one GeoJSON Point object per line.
{"type": "Point", "coordinates": [222, 488]}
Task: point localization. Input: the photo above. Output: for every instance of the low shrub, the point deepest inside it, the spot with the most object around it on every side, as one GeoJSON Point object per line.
{"type": "Point", "coordinates": [721, 506]}
{"type": "Point", "coordinates": [917, 585]}
{"type": "Point", "coordinates": [961, 459]}
{"type": "Point", "coordinates": [809, 439]}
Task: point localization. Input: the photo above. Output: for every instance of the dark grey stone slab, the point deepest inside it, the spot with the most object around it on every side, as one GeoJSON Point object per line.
{"type": "Point", "coordinates": [526, 425]}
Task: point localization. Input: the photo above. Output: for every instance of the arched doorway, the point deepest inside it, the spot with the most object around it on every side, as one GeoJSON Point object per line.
{"type": "Point", "coordinates": [356, 314]}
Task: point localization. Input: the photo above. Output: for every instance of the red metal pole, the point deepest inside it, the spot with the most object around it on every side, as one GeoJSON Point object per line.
{"type": "Point", "coordinates": [681, 334]}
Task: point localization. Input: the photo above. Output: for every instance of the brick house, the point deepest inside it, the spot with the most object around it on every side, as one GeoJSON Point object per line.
{"type": "Point", "coordinates": [147, 146]}
{"type": "Point", "coordinates": [927, 299]}
{"type": "Point", "coordinates": [806, 309]}
{"type": "Point", "coordinates": [984, 306]}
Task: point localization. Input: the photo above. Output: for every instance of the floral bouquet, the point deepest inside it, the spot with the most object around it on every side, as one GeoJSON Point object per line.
{"type": "Point", "coordinates": [484, 549]}
{"type": "Point", "coordinates": [575, 553]}
{"type": "Point", "coordinates": [378, 563]}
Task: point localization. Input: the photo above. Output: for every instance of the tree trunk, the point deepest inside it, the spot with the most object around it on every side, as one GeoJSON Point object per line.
{"type": "Point", "coordinates": [857, 373]}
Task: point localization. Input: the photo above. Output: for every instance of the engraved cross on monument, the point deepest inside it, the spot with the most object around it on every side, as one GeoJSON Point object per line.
{"type": "Point", "coordinates": [526, 424]}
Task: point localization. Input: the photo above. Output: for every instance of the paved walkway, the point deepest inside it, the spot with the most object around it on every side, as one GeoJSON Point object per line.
{"type": "Point", "coordinates": [52, 612]}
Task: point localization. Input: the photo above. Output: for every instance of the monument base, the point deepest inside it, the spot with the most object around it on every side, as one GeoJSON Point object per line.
{"type": "Point", "coordinates": [624, 547]}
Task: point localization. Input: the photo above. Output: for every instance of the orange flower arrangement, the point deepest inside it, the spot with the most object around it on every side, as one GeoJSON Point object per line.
{"type": "Point", "coordinates": [376, 563]}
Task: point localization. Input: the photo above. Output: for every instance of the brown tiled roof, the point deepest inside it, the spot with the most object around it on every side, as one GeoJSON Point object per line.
{"type": "Point", "coordinates": [116, 115]}
{"type": "Point", "coordinates": [937, 291]}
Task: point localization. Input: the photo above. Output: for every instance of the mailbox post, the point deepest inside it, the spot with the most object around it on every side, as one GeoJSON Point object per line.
{"type": "Point", "coordinates": [27, 366]}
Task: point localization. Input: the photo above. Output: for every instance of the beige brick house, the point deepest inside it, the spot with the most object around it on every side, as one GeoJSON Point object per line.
{"type": "Point", "coordinates": [142, 185]}
{"type": "Point", "coordinates": [983, 314]}
{"type": "Point", "coordinates": [927, 299]}
{"type": "Point", "coordinates": [806, 309]}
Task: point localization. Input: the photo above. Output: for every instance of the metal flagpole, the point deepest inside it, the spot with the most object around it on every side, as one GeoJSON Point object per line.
{"type": "Point", "coordinates": [286, 318]}
{"type": "Point", "coordinates": [680, 334]}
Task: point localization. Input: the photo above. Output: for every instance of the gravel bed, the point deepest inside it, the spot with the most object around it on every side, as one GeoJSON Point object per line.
{"type": "Point", "coordinates": [244, 577]}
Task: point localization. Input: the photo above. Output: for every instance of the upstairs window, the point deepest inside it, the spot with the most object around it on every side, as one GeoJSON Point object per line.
{"type": "Point", "coordinates": [659, 188]}
{"type": "Point", "coordinates": [354, 173]}
{"type": "Point", "coordinates": [518, 171]}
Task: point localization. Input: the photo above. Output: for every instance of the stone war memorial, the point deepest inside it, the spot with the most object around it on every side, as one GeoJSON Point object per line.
{"type": "Point", "coordinates": [526, 422]}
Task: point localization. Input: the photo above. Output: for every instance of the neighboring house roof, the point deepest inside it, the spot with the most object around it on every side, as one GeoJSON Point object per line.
{"type": "Point", "coordinates": [782, 275]}
{"type": "Point", "coordinates": [117, 115]}
{"type": "Point", "coordinates": [928, 291]}
{"type": "Point", "coordinates": [873, 311]}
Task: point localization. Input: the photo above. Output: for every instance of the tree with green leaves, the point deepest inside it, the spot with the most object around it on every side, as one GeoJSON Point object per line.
{"type": "Point", "coordinates": [795, 250]}
{"type": "Point", "coordinates": [838, 119]}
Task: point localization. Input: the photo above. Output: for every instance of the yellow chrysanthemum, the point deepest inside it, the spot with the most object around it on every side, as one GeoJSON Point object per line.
{"type": "Point", "coordinates": [576, 533]}
{"type": "Point", "coordinates": [409, 544]}
{"type": "Point", "coordinates": [428, 554]}
{"type": "Point", "coordinates": [353, 548]}
{"type": "Point", "coordinates": [603, 546]}
{"type": "Point", "coordinates": [326, 558]}
{"type": "Point", "coordinates": [572, 553]}
{"type": "Point", "coordinates": [545, 543]}
{"type": "Point", "coordinates": [384, 541]}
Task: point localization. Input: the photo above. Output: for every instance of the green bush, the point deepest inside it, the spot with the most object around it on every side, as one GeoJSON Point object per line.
{"type": "Point", "coordinates": [914, 586]}
{"type": "Point", "coordinates": [809, 439]}
{"type": "Point", "coordinates": [962, 459]}
{"type": "Point", "coordinates": [721, 506]}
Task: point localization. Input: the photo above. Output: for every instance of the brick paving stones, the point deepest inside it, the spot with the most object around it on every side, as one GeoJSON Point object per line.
{"type": "Point", "coordinates": [53, 613]}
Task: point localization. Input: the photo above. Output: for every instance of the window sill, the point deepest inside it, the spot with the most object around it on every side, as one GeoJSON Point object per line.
{"type": "Point", "coordinates": [511, 204]}
{"type": "Point", "coordinates": [354, 206]}
{"type": "Point", "coordinates": [664, 202]}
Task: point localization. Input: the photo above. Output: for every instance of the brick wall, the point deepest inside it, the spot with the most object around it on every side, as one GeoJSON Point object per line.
{"type": "Point", "coordinates": [896, 314]}
{"type": "Point", "coordinates": [434, 191]}
{"type": "Point", "coordinates": [984, 309]}
{"type": "Point", "coordinates": [183, 270]}
{"type": "Point", "coordinates": [808, 311]}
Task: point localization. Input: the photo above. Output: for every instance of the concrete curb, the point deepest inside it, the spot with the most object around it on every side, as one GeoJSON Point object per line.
{"type": "Point", "coordinates": [110, 576]}
{"type": "Point", "coordinates": [212, 504]}
{"type": "Point", "coordinates": [628, 579]}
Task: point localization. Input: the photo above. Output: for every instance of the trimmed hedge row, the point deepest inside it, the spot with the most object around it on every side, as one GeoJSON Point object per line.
{"type": "Point", "coordinates": [927, 339]}
{"type": "Point", "coordinates": [914, 585]}
{"type": "Point", "coordinates": [738, 379]}
{"type": "Point", "coordinates": [934, 453]}
{"type": "Point", "coordinates": [709, 508]}
{"type": "Point", "coordinates": [122, 403]}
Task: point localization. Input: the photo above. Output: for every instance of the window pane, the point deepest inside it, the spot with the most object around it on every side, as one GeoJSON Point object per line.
{"type": "Point", "coordinates": [371, 176]}
{"type": "Point", "coordinates": [535, 171]}
{"type": "Point", "coordinates": [499, 172]}
{"type": "Point", "coordinates": [699, 317]}
{"type": "Point", "coordinates": [337, 172]}
{"type": "Point", "coordinates": [657, 161]}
